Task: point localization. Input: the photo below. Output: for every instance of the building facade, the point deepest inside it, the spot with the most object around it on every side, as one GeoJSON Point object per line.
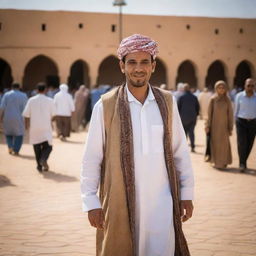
{"type": "Point", "coordinates": [80, 48]}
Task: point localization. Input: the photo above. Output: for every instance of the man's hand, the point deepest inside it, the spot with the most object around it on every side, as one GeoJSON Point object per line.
{"type": "Point", "coordinates": [96, 218]}
{"type": "Point", "coordinates": [186, 209]}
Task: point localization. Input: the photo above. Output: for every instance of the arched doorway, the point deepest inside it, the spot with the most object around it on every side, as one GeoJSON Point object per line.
{"type": "Point", "coordinates": [187, 74]}
{"type": "Point", "coordinates": [40, 69]}
{"type": "Point", "coordinates": [243, 71]}
{"type": "Point", "coordinates": [110, 73]}
{"type": "Point", "coordinates": [79, 74]}
{"type": "Point", "coordinates": [5, 75]}
{"type": "Point", "coordinates": [216, 71]}
{"type": "Point", "coordinates": [159, 76]}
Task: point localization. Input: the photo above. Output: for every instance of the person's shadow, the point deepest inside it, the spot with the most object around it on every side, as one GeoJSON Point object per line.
{"type": "Point", "coordinates": [29, 157]}
{"type": "Point", "coordinates": [58, 177]}
{"type": "Point", "coordinates": [5, 181]}
{"type": "Point", "coordinates": [237, 171]}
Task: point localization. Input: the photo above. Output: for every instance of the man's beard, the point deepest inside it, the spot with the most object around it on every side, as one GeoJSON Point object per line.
{"type": "Point", "coordinates": [138, 82]}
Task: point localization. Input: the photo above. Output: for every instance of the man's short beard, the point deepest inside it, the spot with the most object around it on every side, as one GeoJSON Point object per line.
{"type": "Point", "coordinates": [138, 84]}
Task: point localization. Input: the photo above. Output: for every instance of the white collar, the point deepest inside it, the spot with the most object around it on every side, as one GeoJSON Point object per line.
{"type": "Point", "coordinates": [131, 98]}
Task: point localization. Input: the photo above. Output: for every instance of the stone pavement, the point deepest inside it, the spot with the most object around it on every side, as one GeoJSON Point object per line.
{"type": "Point", "coordinates": [40, 214]}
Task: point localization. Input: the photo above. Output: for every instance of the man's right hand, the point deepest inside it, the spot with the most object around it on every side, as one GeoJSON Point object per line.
{"type": "Point", "coordinates": [96, 218]}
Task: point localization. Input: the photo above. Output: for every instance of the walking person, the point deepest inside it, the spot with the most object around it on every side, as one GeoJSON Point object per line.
{"type": "Point", "coordinates": [64, 107]}
{"type": "Point", "coordinates": [80, 101]}
{"type": "Point", "coordinates": [12, 105]}
{"type": "Point", "coordinates": [219, 126]}
{"type": "Point", "coordinates": [39, 113]}
{"type": "Point", "coordinates": [137, 150]}
{"type": "Point", "coordinates": [245, 115]}
{"type": "Point", "coordinates": [188, 107]}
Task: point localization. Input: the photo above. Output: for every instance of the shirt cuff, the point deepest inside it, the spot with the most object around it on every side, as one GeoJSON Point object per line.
{"type": "Point", "coordinates": [90, 203]}
{"type": "Point", "coordinates": [187, 193]}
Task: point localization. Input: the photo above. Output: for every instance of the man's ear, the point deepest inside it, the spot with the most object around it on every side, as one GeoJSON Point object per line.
{"type": "Point", "coordinates": [121, 64]}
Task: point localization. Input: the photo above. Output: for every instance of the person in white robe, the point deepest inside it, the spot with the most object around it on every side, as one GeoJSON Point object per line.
{"type": "Point", "coordinates": [39, 113]}
{"type": "Point", "coordinates": [154, 230]}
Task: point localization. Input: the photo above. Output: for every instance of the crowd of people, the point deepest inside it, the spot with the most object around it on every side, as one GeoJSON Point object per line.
{"type": "Point", "coordinates": [220, 109]}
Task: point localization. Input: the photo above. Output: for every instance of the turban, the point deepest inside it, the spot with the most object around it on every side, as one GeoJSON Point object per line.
{"type": "Point", "coordinates": [137, 43]}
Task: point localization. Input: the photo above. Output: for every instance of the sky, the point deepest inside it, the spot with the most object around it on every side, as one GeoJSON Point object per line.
{"type": "Point", "coordinates": [204, 8]}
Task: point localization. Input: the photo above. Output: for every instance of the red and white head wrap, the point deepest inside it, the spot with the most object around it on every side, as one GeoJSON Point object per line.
{"type": "Point", "coordinates": [137, 43]}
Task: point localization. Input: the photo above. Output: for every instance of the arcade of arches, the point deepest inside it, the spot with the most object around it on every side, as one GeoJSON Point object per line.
{"type": "Point", "coordinates": [42, 68]}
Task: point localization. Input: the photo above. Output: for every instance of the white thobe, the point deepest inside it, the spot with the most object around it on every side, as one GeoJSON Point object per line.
{"type": "Point", "coordinates": [40, 109]}
{"type": "Point", "coordinates": [154, 208]}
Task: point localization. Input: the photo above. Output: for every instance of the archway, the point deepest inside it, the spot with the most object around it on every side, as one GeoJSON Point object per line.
{"type": "Point", "coordinates": [243, 71]}
{"type": "Point", "coordinates": [159, 76]}
{"type": "Point", "coordinates": [109, 72]}
{"type": "Point", "coordinates": [216, 71]}
{"type": "Point", "coordinates": [79, 74]}
{"type": "Point", "coordinates": [187, 74]}
{"type": "Point", "coordinates": [40, 69]}
{"type": "Point", "coordinates": [5, 75]}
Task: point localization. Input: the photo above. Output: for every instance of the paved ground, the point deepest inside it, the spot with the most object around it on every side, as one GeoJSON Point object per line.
{"type": "Point", "coordinates": [41, 214]}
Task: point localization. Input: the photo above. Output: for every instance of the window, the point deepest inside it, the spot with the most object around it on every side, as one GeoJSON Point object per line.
{"type": "Point", "coordinates": [158, 25]}
{"type": "Point", "coordinates": [80, 25]}
{"type": "Point", "coordinates": [216, 31]}
{"type": "Point", "coordinates": [43, 27]}
{"type": "Point", "coordinates": [241, 30]}
{"type": "Point", "coordinates": [0, 26]}
{"type": "Point", "coordinates": [188, 27]}
{"type": "Point", "coordinates": [113, 28]}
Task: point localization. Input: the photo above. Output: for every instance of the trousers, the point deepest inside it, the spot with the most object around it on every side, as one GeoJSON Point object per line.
{"type": "Point", "coordinates": [42, 152]}
{"type": "Point", "coordinates": [246, 131]}
{"type": "Point", "coordinates": [14, 142]}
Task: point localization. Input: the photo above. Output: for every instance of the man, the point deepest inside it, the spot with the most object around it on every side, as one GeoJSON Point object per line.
{"type": "Point", "coordinates": [136, 149]}
{"type": "Point", "coordinates": [12, 105]}
{"type": "Point", "coordinates": [245, 115]}
{"type": "Point", "coordinates": [188, 106]}
{"type": "Point", "coordinates": [64, 107]}
{"type": "Point", "coordinates": [38, 114]}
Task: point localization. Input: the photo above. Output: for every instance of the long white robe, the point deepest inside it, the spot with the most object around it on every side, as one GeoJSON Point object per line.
{"type": "Point", "coordinates": [154, 212]}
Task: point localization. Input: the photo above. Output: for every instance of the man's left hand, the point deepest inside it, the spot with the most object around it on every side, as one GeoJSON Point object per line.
{"type": "Point", "coordinates": [186, 209]}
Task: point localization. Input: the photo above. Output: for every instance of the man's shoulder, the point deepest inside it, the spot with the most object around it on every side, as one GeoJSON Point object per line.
{"type": "Point", "coordinates": [110, 95]}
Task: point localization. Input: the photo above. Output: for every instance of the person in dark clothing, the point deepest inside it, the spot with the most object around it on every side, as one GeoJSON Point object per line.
{"type": "Point", "coordinates": [188, 106]}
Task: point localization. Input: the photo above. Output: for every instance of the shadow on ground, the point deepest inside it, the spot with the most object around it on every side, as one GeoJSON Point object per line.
{"type": "Point", "coordinates": [58, 177]}
{"type": "Point", "coordinates": [4, 182]}
{"type": "Point", "coordinates": [236, 170]}
{"type": "Point", "coordinates": [29, 157]}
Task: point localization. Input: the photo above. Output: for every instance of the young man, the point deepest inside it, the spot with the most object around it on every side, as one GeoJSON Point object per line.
{"type": "Point", "coordinates": [245, 114]}
{"type": "Point", "coordinates": [12, 105]}
{"type": "Point", "coordinates": [38, 114]}
{"type": "Point", "coordinates": [136, 149]}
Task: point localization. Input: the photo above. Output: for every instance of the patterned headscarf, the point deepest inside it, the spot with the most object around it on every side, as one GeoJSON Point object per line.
{"type": "Point", "coordinates": [137, 43]}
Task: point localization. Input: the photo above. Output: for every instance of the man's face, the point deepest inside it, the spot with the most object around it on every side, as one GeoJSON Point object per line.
{"type": "Point", "coordinates": [249, 86]}
{"type": "Point", "coordinates": [138, 68]}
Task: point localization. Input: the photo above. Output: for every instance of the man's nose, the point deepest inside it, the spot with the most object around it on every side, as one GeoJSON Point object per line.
{"type": "Point", "coordinates": [138, 67]}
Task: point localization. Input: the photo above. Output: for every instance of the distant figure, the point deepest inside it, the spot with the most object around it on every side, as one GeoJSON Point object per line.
{"type": "Point", "coordinates": [38, 114]}
{"type": "Point", "coordinates": [163, 86]}
{"type": "Point", "coordinates": [220, 125]}
{"type": "Point", "coordinates": [245, 114]}
{"type": "Point", "coordinates": [51, 91]}
{"type": "Point", "coordinates": [80, 100]}
{"type": "Point", "coordinates": [180, 90]}
{"type": "Point", "coordinates": [64, 107]}
{"type": "Point", "coordinates": [12, 105]}
{"type": "Point", "coordinates": [204, 100]}
{"type": "Point", "coordinates": [195, 91]}
{"type": "Point", "coordinates": [188, 106]}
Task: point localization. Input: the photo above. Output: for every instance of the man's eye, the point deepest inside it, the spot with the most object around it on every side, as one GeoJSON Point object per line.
{"type": "Point", "coordinates": [131, 62]}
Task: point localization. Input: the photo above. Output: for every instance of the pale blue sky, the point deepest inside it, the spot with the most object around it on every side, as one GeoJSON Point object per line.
{"type": "Point", "coordinates": [207, 8]}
